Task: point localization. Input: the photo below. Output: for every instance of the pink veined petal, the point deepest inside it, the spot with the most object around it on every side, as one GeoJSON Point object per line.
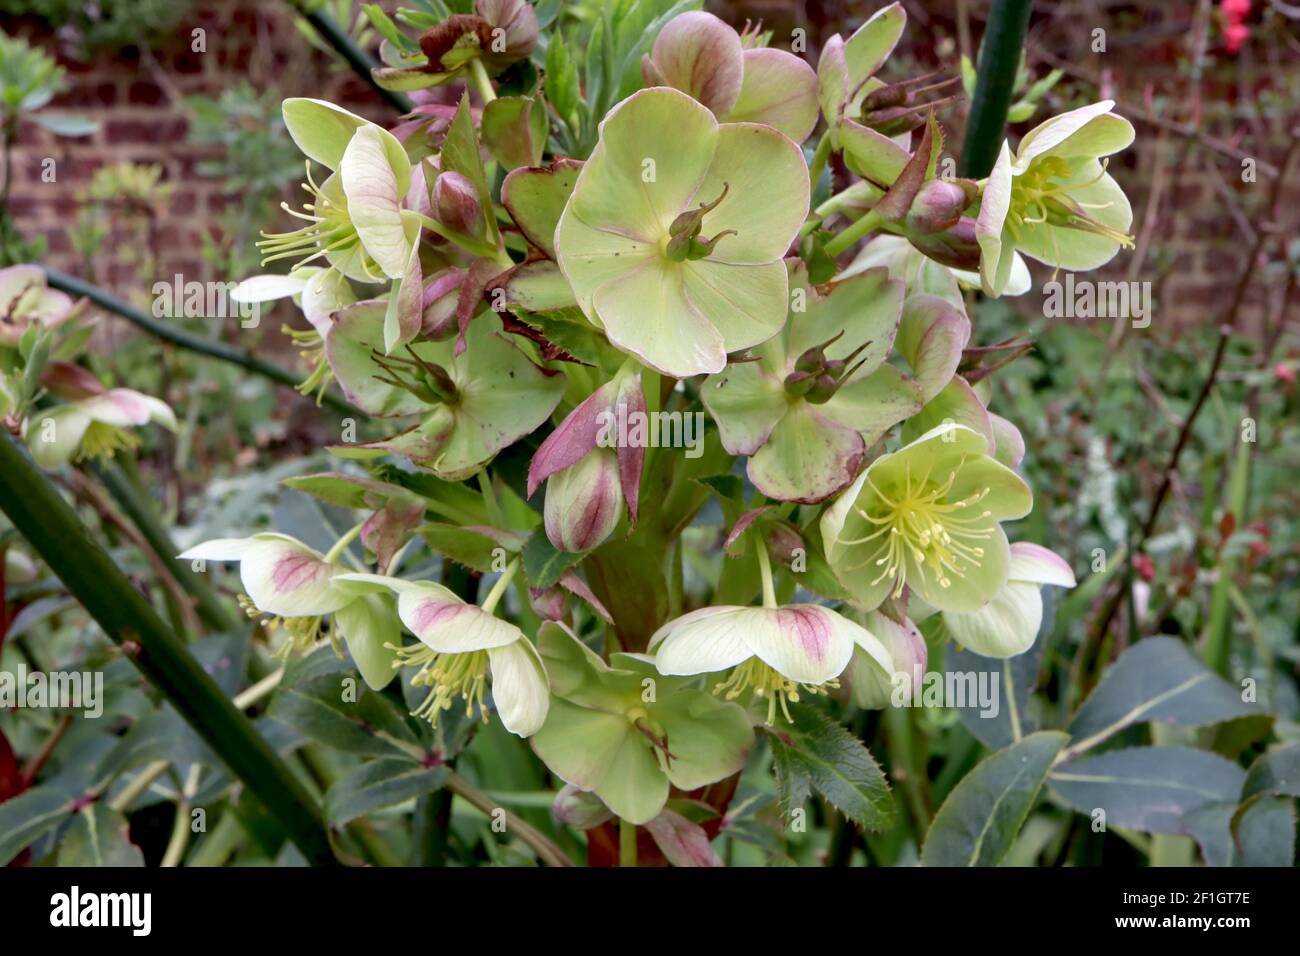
{"type": "Point", "coordinates": [1038, 565]}
{"type": "Point", "coordinates": [804, 642]}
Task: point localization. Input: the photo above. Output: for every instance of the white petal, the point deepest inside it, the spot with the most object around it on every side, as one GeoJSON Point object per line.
{"type": "Point", "coordinates": [1004, 627]}
{"type": "Point", "coordinates": [289, 579]}
{"type": "Point", "coordinates": [446, 624]}
{"type": "Point", "coordinates": [1037, 565]}
{"type": "Point", "coordinates": [218, 549]}
{"type": "Point", "coordinates": [702, 642]}
{"type": "Point", "coordinates": [519, 687]}
{"type": "Point", "coordinates": [807, 643]}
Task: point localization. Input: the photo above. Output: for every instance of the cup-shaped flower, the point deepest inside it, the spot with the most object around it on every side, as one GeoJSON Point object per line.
{"type": "Point", "coordinates": [473, 404]}
{"type": "Point", "coordinates": [1053, 199]}
{"type": "Point", "coordinates": [820, 392]}
{"type": "Point", "coordinates": [463, 646]}
{"type": "Point", "coordinates": [1008, 625]}
{"type": "Point", "coordinates": [773, 653]}
{"type": "Point", "coordinates": [927, 517]}
{"type": "Point", "coordinates": [631, 238]}
{"type": "Point", "coordinates": [705, 58]}
{"type": "Point", "coordinates": [627, 733]}
{"type": "Point", "coordinates": [93, 427]}
{"type": "Point", "coordinates": [871, 686]}
{"type": "Point", "coordinates": [25, 300]}
{"type": "Point", "coordinates": [298, 587]}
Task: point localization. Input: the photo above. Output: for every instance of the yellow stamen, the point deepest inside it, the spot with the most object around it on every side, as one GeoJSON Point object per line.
{"type": "Point", "coordinates": [448, 676]}
{"type": "Point", "coordinates": [760, 680]}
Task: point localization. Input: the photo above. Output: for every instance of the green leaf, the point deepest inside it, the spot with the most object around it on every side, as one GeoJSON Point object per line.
{"type": "Point", "coordinates": [1151, 789]}
{"type": "Point", "coordinates": [562, 81]}
{"type": "Point", "coordinates": [67, 125]}
{"type": "Point", "coordinates": [29, 816]}
{"type": "Point", "coordinates": [1157, 679]}
{"type": "Point", "coordinates": [978, 823]}
{"type": "Point", "coordinates": [380, 784]}
{"type": "Point", "coordinates": [1014, 676]}
{"type": "Point", "coordinates": [471, 547]}
{"type": "Point", "coordinates": [321, 709]}
{"type": "Point", "coordinates": [99, 836]}
{"type": "Point", "coordinates": [816, 751]}
{"type": "Point", "coordinates": [543, 564]}
{"type": "Point", "coordinates": [1265, 833]}
{"type": "Point", "coordinates": [460, 153]}
{"type": "Point", "coordinates": [1276, 772]}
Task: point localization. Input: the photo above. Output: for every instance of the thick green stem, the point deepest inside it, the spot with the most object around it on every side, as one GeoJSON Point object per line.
{"type": "Point", "coordinates": [819, 159]}
{"type": "Point", "coordinates": [53, 530]}
{"type": "Point", "coordinates": [849, 236]}
{"type": "Point", "coordinates": [999, 58]}
{"type": "Point", "coordinates": [626, 843]}
{"type": "Point", "coordinates": [346, 47]}
{"type": "Point", "coordinates": [179, 337]}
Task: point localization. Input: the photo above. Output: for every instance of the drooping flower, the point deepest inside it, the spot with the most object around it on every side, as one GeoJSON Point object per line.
{"type": "Point", "coordinates": [497, 34]}
{"type": "Point", "coordinates": [630, 238]}
{"type": "Point", "coordinates": [627, 733]}
{"type": "Point", "coordinates": [25, 300]}
{"type": "Point", "coordinates": [871, 686]}
{"type": "Point", "coordinates": [774, 654]}
{"type": "Point", "coordinates": [462, 647]}
{"type": "Point", "coordinates": [94, 426]}
{"type": "Point", "coordinates": [1008, 625]}
{"type": "Point", "coordinates": [927, 517]}
{"type": "Point", "coordinates": [298, 588]}
{"type": "Point", "coordinates": [820, 392]}
{"type": "Point", "coordinates": [705, 58]}
{"type": "Point", "coordinates": [1053, 199]}
{"type": "Point", "coordinates": [357, 219]}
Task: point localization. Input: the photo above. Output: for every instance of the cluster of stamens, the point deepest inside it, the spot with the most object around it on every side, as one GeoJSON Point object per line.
{"type": "Point", "coordinates": [921, 524]}
{"type": "Point", "coordinates": [301, 633]}
{"type": "Point", "coordinates": [103, 441]}
{"type": "Point", "coordinates": [311, 349]}
{"type": "Point", "coordinates": [329, 230]}
{"type": "Point", "coordinates": [448, 677]}
{"type": "Point", "coordinates": [760, 680]}
{"type": "Point", "coordinates": [1038, 196]}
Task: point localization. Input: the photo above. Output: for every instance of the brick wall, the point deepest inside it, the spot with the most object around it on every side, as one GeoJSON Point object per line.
{"type": "Point", "coordinates": [1197, 240]}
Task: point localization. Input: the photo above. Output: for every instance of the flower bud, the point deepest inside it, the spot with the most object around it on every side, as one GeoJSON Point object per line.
{"type": "Point", "coordinates": [955, 247]}
{"type": "Point", "coordinates": [550, 604]}
{"type": "Point", "coordinates": [870, 687]}
{"type": "Point", "coordinates": [583, 502]}
{"type": "Point", "coordinates": [700, 55]}
{"type": "Point", "coordinates": [456, 205]}
{"type": "Point", "coordinates": [579, 809]}
{"type": "Point", "coordinates": [939, 205]}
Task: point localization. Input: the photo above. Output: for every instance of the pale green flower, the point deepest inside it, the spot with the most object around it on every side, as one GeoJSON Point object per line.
{"type": "Point", "coordinates": [630, 238]}
{"type": "Point", "coordinates": [1053, 199]}
{"type": "Point", "coordinates": [1008, 625]}
{"type": "Point", "coordinates": [927, 517]}
{"type": "Point", "coordinates": [93, 427]}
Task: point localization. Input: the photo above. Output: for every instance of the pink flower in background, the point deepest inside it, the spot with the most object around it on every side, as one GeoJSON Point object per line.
{"type": "Point", "coordinates": [1235, 31]}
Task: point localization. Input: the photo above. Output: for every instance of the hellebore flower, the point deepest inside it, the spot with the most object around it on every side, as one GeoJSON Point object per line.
{"type": "Point", "coordinates": [25, 301]}
{"type": "Point", "coordinates": [356, 219]}
{"type": "Point", "coordinates": [870, 685]}
{"type": "Point", "coordinates": [93, 426]}
{"type": "Point", "coordinates": [590, 482]}
{"type": "Point", "coordinates": [627, 733]}
{"type": "Point", "coordinates": [299, 587]}
{"type": "Point", "coordinates": [1053, 200]}
{"type": "Point", "coordinates": [461, 646]}
{"type": "Point", "coordinates": [705, 58]}
{"type": "Point", "coordinates": [473, 404]}
{"type": "Point", "coordinates": [846, 67]}
{"type": "Point", "coordinates": [820, 392]}
{"type": "Point", "coordinates": [316, 290]}
{"type": "Point", "coordinates": [498, 33]}
{"type": "Point", "coordinates": [1008, 624]}
{"type": "Point", "coordinates": [927, 517]}
{"type": "Point", "coordinates": [629, 240]}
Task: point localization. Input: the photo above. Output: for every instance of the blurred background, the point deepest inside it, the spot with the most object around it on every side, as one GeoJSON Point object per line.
{"type": "Point", "coordinates": [152, 146]}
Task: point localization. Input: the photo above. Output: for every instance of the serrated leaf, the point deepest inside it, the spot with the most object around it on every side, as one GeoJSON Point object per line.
{"type": "Point", "coordinates": [380, 784]}
{"type": "Point", "coordinates": [836, 764]}
{"type": "Point", "coordinates": [1150, 789]}
{"type": "Point", "coordinates": [978, 823]}
{"type": "Point", "coordinates": [471, 547]}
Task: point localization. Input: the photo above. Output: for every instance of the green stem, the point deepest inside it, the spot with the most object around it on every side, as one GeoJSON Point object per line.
{"type": "Point", "coordinates": [348, 536]}
{"type": "Point", "coordinates": [626, 843]}
{"type": "Point", "coordinates": [346, 47]}
{"type": "Point", "coordinates": [999, 59]}
{"type": "Point", "coordinates": [53, 530]}
{"type": "Point", "coordinates": [765, 569]}
{"type": "Point", "coordinates": [549, 853]}
{"type": "Point", "coordinates": [849, 236]}
{"type": "Point", "coordinates": [482, 84]}
{"type": "Point", "coordinates": [193, 343]}
{"type": "Point", "coordinates": [818, 163]}
{"type": "Point", "coordinates": [499, 587]}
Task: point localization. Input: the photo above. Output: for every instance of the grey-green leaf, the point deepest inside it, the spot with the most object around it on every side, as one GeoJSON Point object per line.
{"type": "Point", "coordinates": [29, 816]}
{"type": "Point", "coordinates": [978, 823]}
{"type": "Point", "coordinates": [380, 784]}
{"type": "Point", "coordinates": [1265, 833]}
{"type": "Point", "coordinates": [99, 836]}
{"type": "Point", "coordinates": [323, 709]}
{"type": "Point", "coordinates": [1148, 788]}
{"type": "Point", "coordinates": [1157, 679]}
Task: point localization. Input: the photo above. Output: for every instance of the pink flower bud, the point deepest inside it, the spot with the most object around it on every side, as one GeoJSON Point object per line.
{"type": "Point", "coordinates": [869, 685]}
{"type": "Point", "coordinates": [456, 205]}
{"type": "Point", "coordinates": [955, 247]}
{"type": "Point", "coordinates": [939, 205]}
{"type": "Point", "coordinates": [584, 502]}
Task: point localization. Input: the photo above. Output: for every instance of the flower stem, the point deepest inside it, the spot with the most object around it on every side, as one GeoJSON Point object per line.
{"type": "Point", "coordinates": [999, 57]}
{"type": "Point", "coordinates": [849, 236]}
{"type": "Point", "coordinates": [332, 555]}
{"type": "Point", "coordinates": [818, 163]}
{"type": "Point", "coordinates": [765, 569]}
{"type": "Point", "coordinates": [626, 843]}
{"type": "Point", "coordinates": [499, 587]}
{"type": "Point", "coordinates": [482, 85]}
